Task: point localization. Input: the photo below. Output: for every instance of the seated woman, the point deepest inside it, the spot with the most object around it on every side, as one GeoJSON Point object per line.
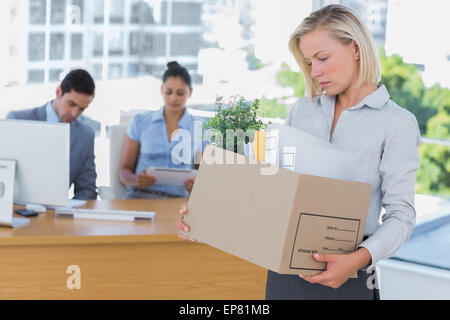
{"type": "Point", "coordinates": [152, 137]}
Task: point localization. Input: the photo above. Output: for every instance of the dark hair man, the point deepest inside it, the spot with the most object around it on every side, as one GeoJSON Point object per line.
{"type": "Point", "coordinates": [73, 96]}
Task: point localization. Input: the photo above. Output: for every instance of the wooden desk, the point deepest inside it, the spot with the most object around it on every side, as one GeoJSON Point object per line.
{"type": "Point", "coordinates": [120, 260]}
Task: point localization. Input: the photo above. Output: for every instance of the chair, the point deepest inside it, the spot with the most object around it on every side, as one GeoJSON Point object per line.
{"type": "Point", "coordinates": [116, 190]}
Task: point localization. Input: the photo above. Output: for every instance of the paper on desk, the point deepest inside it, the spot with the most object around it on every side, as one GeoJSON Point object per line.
{"type": "Point", "coordinates": [171, 176]}
{"type": "Point", "coordinates": [293, 149]}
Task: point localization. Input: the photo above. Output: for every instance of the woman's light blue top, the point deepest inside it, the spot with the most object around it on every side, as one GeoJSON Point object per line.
{"type": "Point", "coordinates": [150, 131]}
{"type": "Point", "coordinates": [385, 139]}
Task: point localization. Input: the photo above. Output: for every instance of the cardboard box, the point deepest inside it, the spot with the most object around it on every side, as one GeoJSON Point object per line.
{"type": "Point", "coordinates": [276, 221]}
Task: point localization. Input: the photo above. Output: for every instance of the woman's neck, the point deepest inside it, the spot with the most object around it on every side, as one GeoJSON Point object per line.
{"type": "Point", "coordinates": [353, 96]}
{"type": "Point", "coordinates": [173, 116]}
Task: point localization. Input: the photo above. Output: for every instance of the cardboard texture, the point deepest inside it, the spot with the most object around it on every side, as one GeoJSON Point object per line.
{"type": "Point", "coordinates": [276, 221]}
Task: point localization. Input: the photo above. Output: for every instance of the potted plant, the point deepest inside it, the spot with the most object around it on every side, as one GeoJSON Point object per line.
{"type": "Point", "coordinates": [234, 125]}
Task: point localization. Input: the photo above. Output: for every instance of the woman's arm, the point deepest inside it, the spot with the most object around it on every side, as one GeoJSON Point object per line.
{"type": "Point", "coordinates": [340, 267]}
{"type": "Point", "coordinates": [398, 166]}
{"type": "Point", "coordinates": [128, 166]}
{"type": "Point", "coordinates": [128, 162]}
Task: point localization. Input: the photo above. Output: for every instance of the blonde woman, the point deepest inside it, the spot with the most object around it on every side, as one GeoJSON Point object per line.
{"type": "Point", "coordinates": [347, 106]}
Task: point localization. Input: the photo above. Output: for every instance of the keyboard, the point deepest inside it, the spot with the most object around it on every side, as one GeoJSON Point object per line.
{"type": "Point", "coordinates": [105, 214]}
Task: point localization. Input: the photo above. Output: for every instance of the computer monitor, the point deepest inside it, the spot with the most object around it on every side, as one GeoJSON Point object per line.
{"type": "Point", "coordinates": [41, 152]}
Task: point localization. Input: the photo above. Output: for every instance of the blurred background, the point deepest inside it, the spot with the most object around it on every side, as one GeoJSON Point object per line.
{"type": "Point", "coordinates": [230, 47]}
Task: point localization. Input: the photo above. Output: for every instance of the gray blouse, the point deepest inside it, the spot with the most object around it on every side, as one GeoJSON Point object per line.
{"type": "Point", "coordinates": [385, 139]}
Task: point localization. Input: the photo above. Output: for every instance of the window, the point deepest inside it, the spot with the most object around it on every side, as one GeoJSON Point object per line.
{"type": "Point", "coordinates": [149, 69]}
{"type": "Point", "coordinates": [97, 71]}
{"type": "Point", "coordinates": [154, 69]}
{"type": "Point", "coordinates": [185, 44]}
{"type": "Point", "coordinates": [37, 11]}
{"type": "Point", "coordinates": [141, 13]}
{"type": "Point", "coordinates": [58, 12]}
{"type": "Point", "coordinates": [186, 13]}
{"type": "Point", "coordinates": [36, 46]}
{"type": "Point", "coordinates": [147, 44]}
{"type": "Point", "coordinates": [76, 11]}
{"type": "Point", "coordinates": [76, 46]}
{"type": "Point", "coordinates": [116, 11]}
{"type": "Point", "coordinates": [97, 46]}
{"type": "Point", "coordinates": [133, 69]}
{"type": "Point", "coordinates": [183, 13]}
{"type": "Point", "coordinates": [57, 46]}
{"type": "Point", "coordinates": [134, 43]}
{"type": "Point", "coordinates": [160, 44]}
{"type": "Point", "coordinates": [116, 43]}
{"type": "Point", "coordinates": [36, 76]}
{"type": "Point", "coordinates": [99, 9]}
{"type": "Point", "coordinates": [54, 75]}
{"type": "Point", "coordinates": [115, 70]}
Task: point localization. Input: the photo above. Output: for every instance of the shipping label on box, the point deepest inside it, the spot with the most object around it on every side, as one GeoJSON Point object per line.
{"type": "Point", "coordinates": [326, 234]}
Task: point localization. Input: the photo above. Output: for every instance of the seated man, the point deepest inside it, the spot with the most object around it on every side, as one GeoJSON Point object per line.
{"type": "Point", "coordinates": [73, 96]}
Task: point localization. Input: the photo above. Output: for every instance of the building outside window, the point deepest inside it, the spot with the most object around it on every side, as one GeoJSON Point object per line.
{"type": "Point", "coordinates": [57, 46]}
{"type": "Point", "coordinates": [146, 33]}
{"type": "Point", "coordinates": [99, 11]}
{"type": "Point", "coordinates": [116, 43]}
{"type": "Point", "coordinates": [36, 46]}
{"type": "Point", "coordinates": [76, 46]}
{"type": "Point", "coordinates": [37, 9]}
{"type": "Point", "coordinates": [142, 13]}
{"type": "Point", "coordinates": [97, 44]}
{"type": "Point", "coordinates": [55, 75]}
{"type": "Point", "coordinates": [117, 12]}
{"type": "Point", "coordinates": [35, 76]}
{"type": "Point", "coordinates": [229, 46]}
{"type": "Point", "coordinates": [58, 12]}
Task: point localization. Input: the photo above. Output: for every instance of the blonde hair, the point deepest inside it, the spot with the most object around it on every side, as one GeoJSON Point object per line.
{"type": "Point", "coordinates": [345, 25]}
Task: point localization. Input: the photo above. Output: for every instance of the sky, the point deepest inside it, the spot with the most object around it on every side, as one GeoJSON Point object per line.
{"type": "Point", "coordinates": [275, 22]}
{"type": "Point", "coordinates": [418, 31]}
